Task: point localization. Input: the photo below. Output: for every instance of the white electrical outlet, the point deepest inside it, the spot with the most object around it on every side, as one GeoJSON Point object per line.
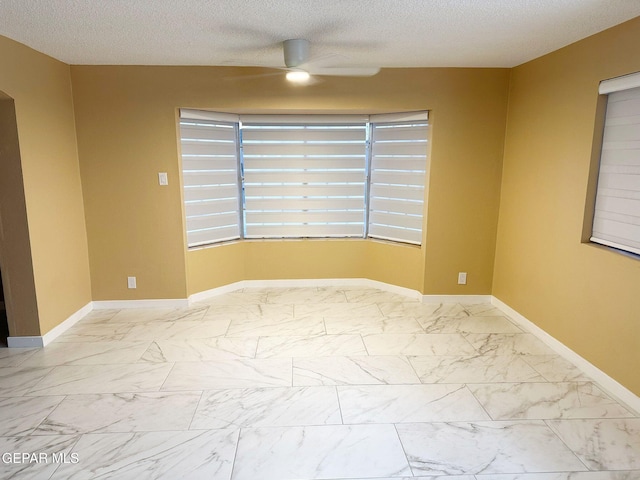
{"type": "Point", "coordinates": [163, 179]}
{"type": "Point", "coordinates": [462, 278]}
{"type": "Point", "coordinates": [131, 282]}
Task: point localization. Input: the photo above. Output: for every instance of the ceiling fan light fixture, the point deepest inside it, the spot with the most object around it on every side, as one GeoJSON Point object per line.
{"type": "Point", "coordinates": [298, 76]}
{"type": "Point", "coordinates": [296, 52]}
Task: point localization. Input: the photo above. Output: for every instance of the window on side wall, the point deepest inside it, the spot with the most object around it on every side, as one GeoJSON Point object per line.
{"type": "Point", "coordinates": [616, 220]}
{"type": "Point", "coordinates": [303, 176]}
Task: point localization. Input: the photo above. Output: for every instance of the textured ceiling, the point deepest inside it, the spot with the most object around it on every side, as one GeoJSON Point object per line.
{"type": "Point", "coordinates": [382, 33]}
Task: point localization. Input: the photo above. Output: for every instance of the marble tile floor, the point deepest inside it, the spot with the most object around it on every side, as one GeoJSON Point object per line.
{"type": "Point", "coordinates": [307, 383]}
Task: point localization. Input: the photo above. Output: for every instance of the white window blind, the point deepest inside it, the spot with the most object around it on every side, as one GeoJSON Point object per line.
{"type": "Point", "coordinates": [296, 176]}
{"type": "Point", "coordinates": [210, 177]}
{"type": "Point", "coordinates": [304, 176]}
{"type": "Point", "coordinates": [398, 172]}
{"type": "Point", "coordinates": [616, 220]}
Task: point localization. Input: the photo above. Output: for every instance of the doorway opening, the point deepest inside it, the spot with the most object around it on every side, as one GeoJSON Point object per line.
{"type": "Point", "coordinates": [17, 286]}
{"type": "Point", "coordinates": [4, 323]}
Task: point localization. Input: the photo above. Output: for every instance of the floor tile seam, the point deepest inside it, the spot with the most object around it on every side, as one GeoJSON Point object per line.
{"type": "Point", "coordinates": [520, 421]}
{"type": "Point", "coordinates": [106, 323]}
{"type": "Point", "coordinates": [105, 430]}
{"type": "Point", "coordinates": [92, 340]}
{"type": "Point", "coordinates": [482, 423]}
{"type": "Point", "coordinates": [557, 435]}
{"type": "Point", "coordinates": [482, 406]}
{"type": "Point", "coordinates": [276, 426]}
{"type": "Point", "coordinates": [207, 391]}
{"type": "Point", "coordinates": [255, 352]}
{"type": "Point", "coordinates": [119, 392]}
{"type": "Point", "coordinates": [564, 382]}
{"type": "Point", "coordinates": [526, 360]}
{"type": "Point", "coordinates": [137, 432]}
{"type": "Point", "coordinates": [30, 391]}
{"type": "Point", "coordinates": [404, 450]}
{"type": "Point", "coordinates": [195, 410]}
{"type": "Point", "coordinates": [466, 339]}
{"type": "Point", "coordinates": [150, 342]}
{"type": "Point", "coordinates": [117, 343]}
{"type": "Point", "coordinates": [513, 322]}
{"type": "Point", "coordinates": [35, 429]}
{"type": "Point", "coordinates": [379, 384]}
{"type": "Point", "coordinates": [75, 444]}
{"type": "Point", "coordinates": [413, 369]}
{"type": "Point", "coordinates": [236, 359]}
{"type": "Point", "coordinates": [126, 392]}
{"type": "Point", "coordinates": [292, 369]}
{"type": "Point", "coordinates": [233, 387]}
{"type": "Point", "coordinates": [541, 423]}
{"type": "Point", "coordinates": [377, 304]}
{"type": "Point", "coordinates": [235, 454]}
{"type": "Point", "coordinates": [164, 381]}
{"type": "Point", "coordinates": [335, 388]}
{"type": "Point", "coordinates": [588, 380]}
{"type": "Point", "coordinates": [442, 397]}
{"type": "Point", "coordinates": [454, 384]}
{"type": "Point", "coordinates": [577, 383]}
{"type": "Point", "coordinates": [27, 369]}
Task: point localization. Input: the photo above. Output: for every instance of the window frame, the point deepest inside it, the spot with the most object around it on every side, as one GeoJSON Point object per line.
{"type": "Point", "coordinates": [609, 205]}
{"type": "Point", "coordinates": [365, 122]}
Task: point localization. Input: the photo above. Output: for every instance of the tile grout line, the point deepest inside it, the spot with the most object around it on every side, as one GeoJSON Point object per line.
{"type": "Point", "coordinates": [546, 423]}
{"type": "Point", "coordinates": [339, 404]}
{"type": "Point", "coordinates": [406, 456]}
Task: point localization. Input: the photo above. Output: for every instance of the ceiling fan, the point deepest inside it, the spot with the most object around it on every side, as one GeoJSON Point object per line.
{"type": "Point", "coordinates": [302, 69]}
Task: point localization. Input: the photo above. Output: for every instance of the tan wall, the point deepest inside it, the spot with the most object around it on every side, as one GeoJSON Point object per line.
{"type": "Point", "coordinates": [299, 259]}
{"type": "Point", "coordinates": [41, 89]}
{"type": "Point", "coordinates": [126, 119]}
{"type": "Point", "coordinates": [585, 296]}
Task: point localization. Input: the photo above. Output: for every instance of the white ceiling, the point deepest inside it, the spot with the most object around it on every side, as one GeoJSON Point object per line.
{"type": "Point", "coordinates": [383, 33]}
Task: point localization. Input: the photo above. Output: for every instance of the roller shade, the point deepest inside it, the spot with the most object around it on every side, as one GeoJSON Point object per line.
{"type": "Point", "coordinates": [297, 176]}
{"type": "Point", "coordinates": [398, 172]}
{"type": "Point", "coordinates": [210, 179]}
{"type": "Point", "coordinates": [304, 177]}
{"type": "Point", "coordinates": [616, 220]}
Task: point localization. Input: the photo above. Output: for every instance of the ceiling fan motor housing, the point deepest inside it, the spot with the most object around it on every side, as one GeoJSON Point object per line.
{"type": "Point", "coordinates": [296, 52]}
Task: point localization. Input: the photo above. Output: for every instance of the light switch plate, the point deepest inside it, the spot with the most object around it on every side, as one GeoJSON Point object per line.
{"type": "Point", "coordinates": [163, 179]}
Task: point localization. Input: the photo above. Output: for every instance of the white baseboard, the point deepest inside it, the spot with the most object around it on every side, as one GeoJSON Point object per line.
{"type": "Point", "coordinates": [153, 303]}
{"type": "Point", "coordinates": [465, 299]}
{"type": "Point", "coordinates": [51, 335]}
{"type": "Point", "coordinates": [25, 342]}
{"type": "Point", "coordinates": [214, 292]}
{"type": "Point", "coordinates": [611, 386]}
{"type": "Point", "coordinates": [301, 283]}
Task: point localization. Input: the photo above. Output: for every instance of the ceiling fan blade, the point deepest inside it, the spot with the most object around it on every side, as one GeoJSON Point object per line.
{"type": "Point", "coordinates": [251, 76]}
{"type": "Point", "coordinates": [345, 71]}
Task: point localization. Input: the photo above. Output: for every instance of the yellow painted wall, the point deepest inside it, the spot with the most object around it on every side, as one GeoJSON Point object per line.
{"type": "Point", "coordinates": [126, 124]}
{"type": "Point", "coordinates": [41, 89]}
{"type": "Point", "coordinates": [584, 295]}
{"type": "Point", "coordinates": [302, 259]}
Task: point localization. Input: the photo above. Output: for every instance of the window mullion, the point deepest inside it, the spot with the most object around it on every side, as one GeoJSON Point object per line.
{"type": "Point", "coordinates": [241, 201]}
{"type": "Point", "coordinates": [367, 185]}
